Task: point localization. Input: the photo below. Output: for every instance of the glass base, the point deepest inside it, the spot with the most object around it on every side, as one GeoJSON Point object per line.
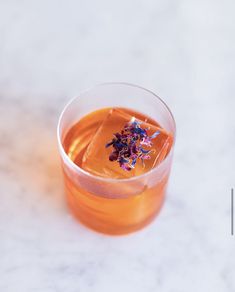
{"type": "Point", "coordinates": [102, 223]}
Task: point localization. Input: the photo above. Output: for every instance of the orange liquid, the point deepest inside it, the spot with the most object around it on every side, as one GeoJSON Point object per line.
{"type": "Point", "coordinates": [112, 207]}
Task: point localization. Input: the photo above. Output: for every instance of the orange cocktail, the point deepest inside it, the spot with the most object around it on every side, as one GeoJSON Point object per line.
{"type": "Point", "coordinates": [111, 188]}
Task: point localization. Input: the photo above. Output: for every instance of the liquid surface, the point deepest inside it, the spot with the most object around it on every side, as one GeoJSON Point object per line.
{"type": "Point", "coordinates": [120, 206]}
{"type": "Point", "coordinates": [85, 142]}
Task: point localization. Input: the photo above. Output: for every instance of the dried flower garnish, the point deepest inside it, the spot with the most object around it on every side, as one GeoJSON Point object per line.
{"type": "Point", "coordinates": [128, 145]}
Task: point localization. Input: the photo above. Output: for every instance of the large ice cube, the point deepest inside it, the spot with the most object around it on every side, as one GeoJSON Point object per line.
{"type": "Point", "coordinates": [96, 158]}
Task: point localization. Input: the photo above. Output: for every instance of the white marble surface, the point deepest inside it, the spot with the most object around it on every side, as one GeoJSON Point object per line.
{"type": "Point", "coordinates": [184, 51]}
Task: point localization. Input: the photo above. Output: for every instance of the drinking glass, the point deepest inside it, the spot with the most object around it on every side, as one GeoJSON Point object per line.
{"type": "Point", "coordinates": [109, 205]}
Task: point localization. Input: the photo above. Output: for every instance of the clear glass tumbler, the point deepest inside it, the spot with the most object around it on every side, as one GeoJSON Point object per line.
{"type": "Point", "coordinates": [108, 205]}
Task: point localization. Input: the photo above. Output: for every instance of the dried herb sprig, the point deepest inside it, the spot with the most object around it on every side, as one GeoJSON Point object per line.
{"type": "Point", "coordinates": [128, 145]}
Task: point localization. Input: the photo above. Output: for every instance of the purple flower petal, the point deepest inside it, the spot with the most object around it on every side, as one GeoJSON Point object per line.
{"type": "Point", "coordinates": [128, 145]}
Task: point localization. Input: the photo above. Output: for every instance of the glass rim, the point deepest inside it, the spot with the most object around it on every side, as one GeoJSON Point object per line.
{"type": "Point", "coordinates": [100, 178]}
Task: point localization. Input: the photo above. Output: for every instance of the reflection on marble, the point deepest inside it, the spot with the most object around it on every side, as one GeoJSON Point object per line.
{"type": "Point", "coordinates": [184, 51]}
